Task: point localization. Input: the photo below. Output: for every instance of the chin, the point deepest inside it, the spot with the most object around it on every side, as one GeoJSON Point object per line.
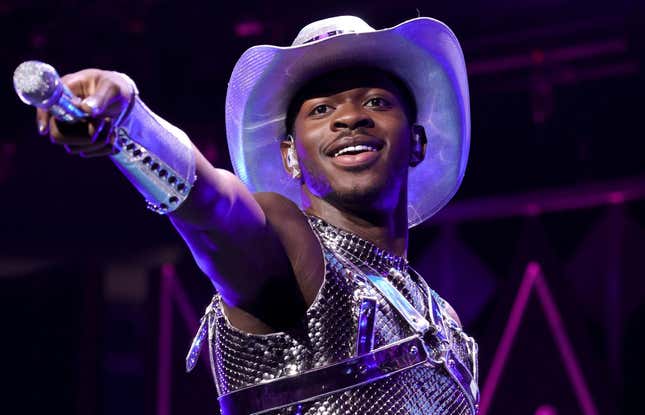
{"type": "Point", "coordinates": [368, 196]}
{"type": "Point", "coordinates": [368, 190]}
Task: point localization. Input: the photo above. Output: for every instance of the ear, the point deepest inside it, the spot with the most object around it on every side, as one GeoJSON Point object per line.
{"type": "Point", "coordinates": [284, 149]}
{"type": "Point", "coordinates": [419, 143]}
{"type": "Point", "coordinates": [289, 157]}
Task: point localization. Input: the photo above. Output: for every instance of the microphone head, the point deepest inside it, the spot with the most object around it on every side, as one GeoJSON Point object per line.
{"type": "Point", "coordinates": [36, 83]}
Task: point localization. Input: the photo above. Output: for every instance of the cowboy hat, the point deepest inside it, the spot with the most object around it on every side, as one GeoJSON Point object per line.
{"type": "Point", "coordinates": [421, 52]}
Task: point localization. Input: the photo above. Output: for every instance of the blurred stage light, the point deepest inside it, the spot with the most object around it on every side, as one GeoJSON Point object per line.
{"type": "Point", "coordinates": [546, 410]}
{"type": "Point", "coordinates": [249, 28]}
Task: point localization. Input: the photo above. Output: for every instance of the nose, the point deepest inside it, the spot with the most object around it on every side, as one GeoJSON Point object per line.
{"type": "Point", "coordinates": [351, 117]}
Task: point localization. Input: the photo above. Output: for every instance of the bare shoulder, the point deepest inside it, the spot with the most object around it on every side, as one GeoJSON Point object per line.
{"type": "Point", "coordinates": [447, 309]}
{"type": "Point", "coordinates": [271, 201]}
{"type": "Point", "coordinates": [293, 269]}
{"type": "Point", "coordinates": [299, 242]}
{"type": "Point", "coordinates": [283, 215]}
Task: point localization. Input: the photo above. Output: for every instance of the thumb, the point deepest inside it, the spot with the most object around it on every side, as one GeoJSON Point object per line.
{"type": "Point", "coordinates": [92, 105]}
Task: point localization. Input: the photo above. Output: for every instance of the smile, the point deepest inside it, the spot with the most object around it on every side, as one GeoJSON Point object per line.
{"type": "Point", "coordinates": [356, 157]}
{"type": "Point", "coordinates": [358, 152]}
{"type": "Point", "coordinates": [352, 150]}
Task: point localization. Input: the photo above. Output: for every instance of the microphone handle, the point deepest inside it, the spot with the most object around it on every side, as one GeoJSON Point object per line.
{"type": "Point", "coordinates": [62, 107]}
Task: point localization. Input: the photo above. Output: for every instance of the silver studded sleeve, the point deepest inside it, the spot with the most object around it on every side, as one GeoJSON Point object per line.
{"type": "Point", "coordinates": [157, 157]}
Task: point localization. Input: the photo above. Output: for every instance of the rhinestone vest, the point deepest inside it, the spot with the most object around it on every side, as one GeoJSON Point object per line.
{"type": "Point", "coordinates": [328, 334]}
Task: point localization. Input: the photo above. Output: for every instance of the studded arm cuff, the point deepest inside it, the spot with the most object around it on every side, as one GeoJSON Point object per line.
{"type": "Point", "coordinates": [157, 157]}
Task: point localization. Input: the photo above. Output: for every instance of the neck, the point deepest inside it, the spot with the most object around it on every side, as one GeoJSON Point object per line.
{"type": "Point", "coordinates": [385, 228]}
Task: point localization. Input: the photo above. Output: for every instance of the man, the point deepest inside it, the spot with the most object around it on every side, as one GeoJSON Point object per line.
{"type": "Point", "coordinates": [340, 143]}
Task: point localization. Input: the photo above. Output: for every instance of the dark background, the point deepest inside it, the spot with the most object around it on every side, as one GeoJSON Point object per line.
{"type": "Point", "coordinates": [556, 175]}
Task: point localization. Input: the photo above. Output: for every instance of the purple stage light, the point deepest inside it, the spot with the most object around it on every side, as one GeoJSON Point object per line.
{"type": "Point", "coordinates": [534, 280]}
{"type": "Point", "coordinates": [165, 340]}
{"type": "Point", "coordinates": [616, 198]}
{"type": "Point", "coordinates": [249, 28]}
{"type": "Point", "coordinates": [546, 410]}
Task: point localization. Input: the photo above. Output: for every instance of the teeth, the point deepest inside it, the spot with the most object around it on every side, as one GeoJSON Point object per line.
{"type": "Point", "coordinates": [360, 147]}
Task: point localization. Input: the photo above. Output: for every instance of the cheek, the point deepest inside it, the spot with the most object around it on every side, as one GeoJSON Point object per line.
{"type": "Point", "coordinates": [308, 138]}
{"type": "Point", "coordinates": [315, 175]}
{"type": "Point", "coordinates": [401, 141]}
{"type": "Point", "coordinates": [311, 166]}
{"type": "Point", "coordinates": [315, 178]}
{"type": "Point", "coordinates": [306, 153]}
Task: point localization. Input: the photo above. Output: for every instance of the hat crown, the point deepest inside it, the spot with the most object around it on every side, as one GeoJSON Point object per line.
{"type": "Point", "coordinates": [329, 27]}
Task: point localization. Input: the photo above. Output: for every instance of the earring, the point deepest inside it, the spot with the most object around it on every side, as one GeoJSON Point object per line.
{"type": "Point", "coordinates": [292, 160]}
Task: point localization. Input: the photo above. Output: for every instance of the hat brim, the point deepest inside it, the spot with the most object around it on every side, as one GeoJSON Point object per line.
{"type": "Point", "coordinates": [422, 52]}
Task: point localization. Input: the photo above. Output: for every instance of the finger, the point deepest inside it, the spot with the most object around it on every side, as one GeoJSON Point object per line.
{"type": "Point", "coordinates": [105, 151]}
{"type": "Point", "coordinates": [82, 83]}
{"type": "Point", "coordinates": [42, 121]}
{"type": "Point", "coordinates": [73, 140]}
{"type": "Point", "coordinates": [106, 92]}
{"type": "Point", "coordinates": [68, 133]}
{"type": "Point", "coordinates": [87, 148]}
{"type": "Point", "coordinates": [100, 133]}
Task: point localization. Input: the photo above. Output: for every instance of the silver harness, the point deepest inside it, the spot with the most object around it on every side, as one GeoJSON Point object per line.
{"type": "Point", "coordinates": [375, 340]}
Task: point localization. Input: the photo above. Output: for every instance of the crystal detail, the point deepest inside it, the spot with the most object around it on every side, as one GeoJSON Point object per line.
{"type": "Point", "coordinates": [359, 248]}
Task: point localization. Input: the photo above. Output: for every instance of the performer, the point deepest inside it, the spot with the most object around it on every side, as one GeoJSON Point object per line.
{"type": "Point", "coordinates": [340, 143]}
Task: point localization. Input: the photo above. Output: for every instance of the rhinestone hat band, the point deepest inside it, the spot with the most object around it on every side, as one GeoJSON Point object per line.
{"type": "Point", "coordinates": [329, 34]}
{"type": "Point", "coordinates": [363, 250]}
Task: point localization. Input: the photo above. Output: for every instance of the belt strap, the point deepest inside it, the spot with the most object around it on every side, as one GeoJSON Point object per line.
{"type": "Point", "coordinates": [313, 384]}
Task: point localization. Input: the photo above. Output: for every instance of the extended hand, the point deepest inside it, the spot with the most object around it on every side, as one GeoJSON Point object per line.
{"type": "Point", "coordinates": [103, 95]}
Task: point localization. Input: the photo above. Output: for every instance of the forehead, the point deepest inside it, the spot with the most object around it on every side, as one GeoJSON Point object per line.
{"type": "Point", "coordinates": [342, 80]}
{"type": "Point", "coordinates": [345, 79]}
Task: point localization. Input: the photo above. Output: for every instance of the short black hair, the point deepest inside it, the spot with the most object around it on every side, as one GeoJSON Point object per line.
{"type": "Point", "coordinates": [306, 90]}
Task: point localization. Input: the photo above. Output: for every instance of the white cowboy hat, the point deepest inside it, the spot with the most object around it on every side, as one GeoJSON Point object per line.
{"type": "Point", "coordinates": [422, 52]}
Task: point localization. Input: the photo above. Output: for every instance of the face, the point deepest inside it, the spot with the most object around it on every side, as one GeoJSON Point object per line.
{"type": "Point", "coordinates": [353, 139]}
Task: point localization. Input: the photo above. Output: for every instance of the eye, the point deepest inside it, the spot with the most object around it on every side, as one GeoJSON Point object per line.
{"type": "Point", "coordinates": [321, 109]}
{"type": "Point", "coordinates": [378, 102]}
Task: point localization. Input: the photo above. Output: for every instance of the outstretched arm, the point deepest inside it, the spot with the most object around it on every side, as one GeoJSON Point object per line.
{"type": "Point", "coordinates": [220, 220]}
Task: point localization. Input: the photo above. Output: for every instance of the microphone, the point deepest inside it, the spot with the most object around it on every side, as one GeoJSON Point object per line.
{"type": "Point", "coordinates": [38, 84]}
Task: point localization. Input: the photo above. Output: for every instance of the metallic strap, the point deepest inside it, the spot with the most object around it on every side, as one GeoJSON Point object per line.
{"type": "Point", "coordinates": [399, 302]}
{"type": "Point", "coordinates": [287, 391]}
{"type": "Point", "coordinates": [366, 320]}
{"type": "Point", "coordinates": [434, 333]}
{"type": "Point", "coordinates": [439, 341]}
{"type": "Point", "coordinates": [198, 340]}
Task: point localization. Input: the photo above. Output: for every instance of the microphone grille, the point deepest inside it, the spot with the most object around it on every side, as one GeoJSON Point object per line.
{"type": "Point", "coordinates": [35, 82]}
